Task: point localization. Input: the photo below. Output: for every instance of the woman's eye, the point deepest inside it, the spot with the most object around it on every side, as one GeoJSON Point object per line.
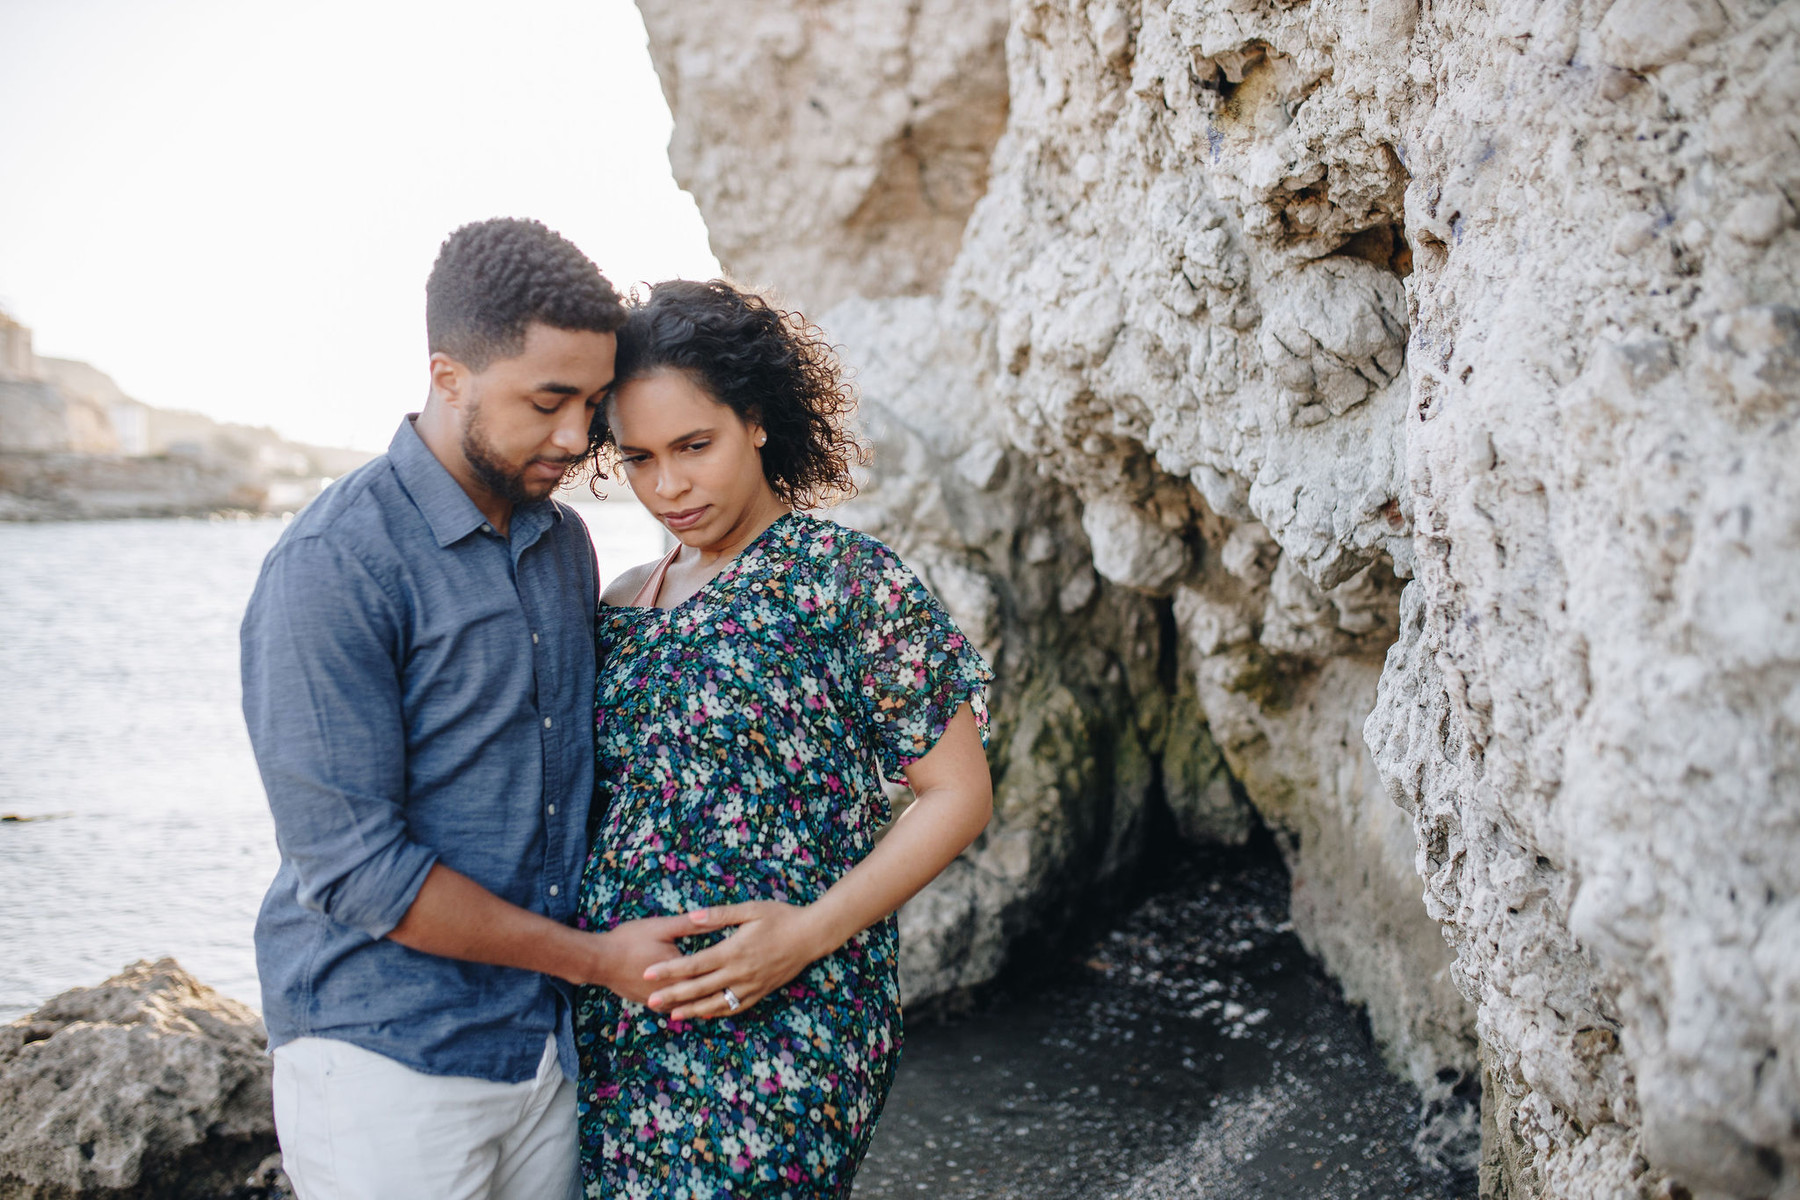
{"type": "Point", "coordinates": [548, 412]}
{"type": "Point", "coordinates": [632, 460]}
{"type": "Point", "coordinates": [696, 445]}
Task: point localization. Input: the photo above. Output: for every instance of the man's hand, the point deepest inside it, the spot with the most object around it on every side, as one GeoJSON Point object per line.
{"type": "Point", "coordinates": [773, 943]}
{"type": "Point", "coordinates": [623, 955]}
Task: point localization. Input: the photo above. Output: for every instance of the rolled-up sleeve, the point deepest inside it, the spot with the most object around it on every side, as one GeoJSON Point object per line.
{"type": "Point", "coordinates": [321, 648]}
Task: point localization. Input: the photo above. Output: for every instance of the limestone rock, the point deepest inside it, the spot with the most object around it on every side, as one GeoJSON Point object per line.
{"type": "Point", "coordinates": [859, 141]}
{"type": "Point", "coordinates": [1498, 298]}
{"type": "Point", "coordinates": [150, 1085]}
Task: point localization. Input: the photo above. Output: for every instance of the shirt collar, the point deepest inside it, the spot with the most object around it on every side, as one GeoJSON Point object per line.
{"type": "Point", "coordinates": [445, 506]}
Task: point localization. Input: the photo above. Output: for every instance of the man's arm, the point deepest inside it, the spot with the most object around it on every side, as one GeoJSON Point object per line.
{"type": "Point", "coordinates": [455, 917]}
{"type": "Point", "coordinates": [321, 644]}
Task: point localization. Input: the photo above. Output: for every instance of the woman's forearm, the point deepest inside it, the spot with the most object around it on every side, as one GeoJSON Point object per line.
{"type": "Point", "coordinates": [940, 824]}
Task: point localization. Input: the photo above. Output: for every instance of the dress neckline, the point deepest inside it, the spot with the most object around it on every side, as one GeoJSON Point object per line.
{"type": "Point", "coordinates": [655, 583]}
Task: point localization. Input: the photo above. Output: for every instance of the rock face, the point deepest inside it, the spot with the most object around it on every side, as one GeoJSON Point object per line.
{"type": "Point", "coordinates": [150, 1086]}
{"type": "Point", "coordinates": [1396, 404]}
{"type": "Point", "coordinates": [894, 108]}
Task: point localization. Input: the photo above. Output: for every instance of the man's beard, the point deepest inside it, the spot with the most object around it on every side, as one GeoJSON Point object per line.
{"type": "Point", "coordinates": [494, 473]}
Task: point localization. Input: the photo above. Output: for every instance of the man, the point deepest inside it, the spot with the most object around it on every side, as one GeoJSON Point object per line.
{"type": "Point", "coordinates": [418, 672]}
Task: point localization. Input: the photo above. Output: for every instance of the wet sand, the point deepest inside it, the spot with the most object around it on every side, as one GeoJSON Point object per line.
{"type": "Point", "coordinates": [1194, 1050]}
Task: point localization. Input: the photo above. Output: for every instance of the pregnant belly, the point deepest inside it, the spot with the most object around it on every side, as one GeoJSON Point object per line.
{"type": "Point", "coordinates": [622, 885]}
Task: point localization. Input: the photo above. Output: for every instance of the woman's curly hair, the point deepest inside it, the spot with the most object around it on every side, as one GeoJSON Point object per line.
{"type": "Point", "coordinates": [766, 364]}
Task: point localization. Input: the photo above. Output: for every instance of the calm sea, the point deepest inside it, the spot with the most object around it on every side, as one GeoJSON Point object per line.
{"type": "Point", "coordinates": [122, 743]}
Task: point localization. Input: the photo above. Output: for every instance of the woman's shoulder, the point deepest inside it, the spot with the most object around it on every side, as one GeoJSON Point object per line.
{"type": "Point", "coordinates": [622, 590]}
{"type": "Point", "coordinates": [846, 550]}
{"type": "Point", "coordinates": [846, 573]}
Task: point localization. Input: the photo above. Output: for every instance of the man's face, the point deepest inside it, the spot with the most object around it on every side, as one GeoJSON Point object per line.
{"type": "Point", "coordinates": [525, 419]}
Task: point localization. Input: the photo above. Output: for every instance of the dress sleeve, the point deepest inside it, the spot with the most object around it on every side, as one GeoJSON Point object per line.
{"type": "Point", "coordinates": [913, 667]}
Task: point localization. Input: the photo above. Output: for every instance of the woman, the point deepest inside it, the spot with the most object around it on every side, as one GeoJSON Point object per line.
{"type": "Point", "coordinates": [755, 686]}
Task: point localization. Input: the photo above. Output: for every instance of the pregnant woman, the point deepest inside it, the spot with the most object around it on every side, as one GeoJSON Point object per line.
{"type": "Point", "coordinates": [755, 686]}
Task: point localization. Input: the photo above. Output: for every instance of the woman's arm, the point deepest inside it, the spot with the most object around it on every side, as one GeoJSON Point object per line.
{"type": "Point", "coordinates": [774, 942]}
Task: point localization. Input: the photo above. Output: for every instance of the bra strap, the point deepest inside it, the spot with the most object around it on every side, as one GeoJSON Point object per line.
{"type": "Point", "coordinates": [652, 589]}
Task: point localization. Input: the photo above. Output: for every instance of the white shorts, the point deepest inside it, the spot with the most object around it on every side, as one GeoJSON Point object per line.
{"type": "Point", "coordinates": [356, 1125]}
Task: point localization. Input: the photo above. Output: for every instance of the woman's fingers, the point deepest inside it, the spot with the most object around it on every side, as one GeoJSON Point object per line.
{"type": "Point", "coordinates": [721, 916]}
{"type": "Point", "coordinates": [692, 989]}
{"type": "Point", "coordinates": [715, 1005]}
{"type": "Point", "coordinates": [687, 966]}
{"type": "Point", "coordinates": [667, 999]}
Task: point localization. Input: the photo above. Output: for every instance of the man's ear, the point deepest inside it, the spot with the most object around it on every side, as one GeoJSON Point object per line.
{"type": "Point", "coordinates": [449, 379]}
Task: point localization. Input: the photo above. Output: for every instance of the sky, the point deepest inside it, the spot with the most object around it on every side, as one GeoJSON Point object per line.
{"type": "Point", "coordinates": [231, 206]}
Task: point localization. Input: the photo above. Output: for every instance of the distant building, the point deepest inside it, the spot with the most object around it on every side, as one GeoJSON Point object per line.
{"type": "Point", "coordinates": [16, 359]}
{"type": "Point", "coordinates": [70, 437]}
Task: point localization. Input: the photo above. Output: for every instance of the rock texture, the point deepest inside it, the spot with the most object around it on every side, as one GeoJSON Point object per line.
{"type": "Point", "coordinates": [150, 1086]}
{"type": "Point", "coordinates": [860, 133]}
{"type": "Point", "coordinates": [1395, 404]}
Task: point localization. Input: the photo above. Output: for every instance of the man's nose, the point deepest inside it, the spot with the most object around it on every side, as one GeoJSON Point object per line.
{"type": "Point", "coordinates": [571, 433]}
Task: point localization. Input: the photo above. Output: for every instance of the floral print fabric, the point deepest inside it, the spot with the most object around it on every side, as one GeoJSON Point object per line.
{"type": "Point", "coordinates": [742, 738]}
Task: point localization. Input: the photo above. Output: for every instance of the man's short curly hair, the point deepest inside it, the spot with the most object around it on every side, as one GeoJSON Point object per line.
{"type": "Point", "coordinates": [765, 364]}
{"type": "Point", "coordinates": [493, 278]}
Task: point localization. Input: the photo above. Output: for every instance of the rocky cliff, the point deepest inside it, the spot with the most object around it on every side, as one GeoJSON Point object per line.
{"type": "Point", "coordinates": [1383, 414]}
{"type": "Point", "coordinates": [73, 445]}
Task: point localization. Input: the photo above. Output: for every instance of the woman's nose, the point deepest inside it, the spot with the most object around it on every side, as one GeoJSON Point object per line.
{"type": "Point", "coordinates": [670, 483]}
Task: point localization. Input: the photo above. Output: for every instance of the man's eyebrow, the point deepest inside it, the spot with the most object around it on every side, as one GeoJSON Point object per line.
{"type": "Point", "coordinates": [686, 437]}
{"type": "Point", "coordinates": [558, 389]}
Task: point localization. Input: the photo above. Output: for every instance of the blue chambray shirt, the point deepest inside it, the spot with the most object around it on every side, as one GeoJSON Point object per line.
{"type": "Point", "coordinates": [418, 690]}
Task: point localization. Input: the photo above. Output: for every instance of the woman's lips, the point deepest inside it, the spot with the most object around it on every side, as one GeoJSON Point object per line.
{"type": "Point", "coordinates": [685, 519]}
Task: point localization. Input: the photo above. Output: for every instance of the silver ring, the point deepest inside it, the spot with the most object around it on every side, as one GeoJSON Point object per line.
{"type": "Point", "coordinates": [731, 1000]}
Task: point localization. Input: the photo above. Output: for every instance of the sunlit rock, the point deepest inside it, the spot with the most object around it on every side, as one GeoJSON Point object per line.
{"type": "Point", "coordinates": [1497, 299]}
{"type": "Point", "coordinates": [150, 1085]}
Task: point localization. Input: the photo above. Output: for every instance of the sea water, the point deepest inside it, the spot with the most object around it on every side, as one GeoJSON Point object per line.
{"type": "Point", "coordinates": [143, 830]}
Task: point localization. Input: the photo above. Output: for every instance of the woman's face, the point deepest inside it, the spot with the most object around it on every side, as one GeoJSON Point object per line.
{"type": "Point", "coordinates": [691, 460]}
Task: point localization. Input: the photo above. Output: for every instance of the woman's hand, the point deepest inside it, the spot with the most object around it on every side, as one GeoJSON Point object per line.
{"type": "Point", "coordinates": [952, 799]}
{"type": "Point", "coordinates": [624, 954]}
{"type": "Point", "coordinates": [772, 943]}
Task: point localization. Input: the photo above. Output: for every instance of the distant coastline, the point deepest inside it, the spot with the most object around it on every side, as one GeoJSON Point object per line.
{"type": "Point", "coordinates": [74, 446]}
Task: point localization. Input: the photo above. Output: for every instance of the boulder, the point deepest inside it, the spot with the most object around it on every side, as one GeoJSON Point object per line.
{"type": "Point", "coordinates": [150, 1085]}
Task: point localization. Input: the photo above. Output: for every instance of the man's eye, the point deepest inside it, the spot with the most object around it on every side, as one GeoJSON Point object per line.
{"type": "Point", "coordinates": [696, 445]}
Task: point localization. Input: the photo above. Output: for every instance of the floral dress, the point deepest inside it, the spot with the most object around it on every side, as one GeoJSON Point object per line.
{"type": "Point", "coordinates": [743, 736]}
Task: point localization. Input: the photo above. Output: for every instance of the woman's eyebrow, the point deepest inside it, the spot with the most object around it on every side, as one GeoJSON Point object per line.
{"type": "Point", "coordinates": [675, 441]}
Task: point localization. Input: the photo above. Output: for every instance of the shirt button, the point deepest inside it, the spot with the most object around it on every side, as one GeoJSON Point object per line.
{"type": "Point", "coordinates": [554, 890]}
{"type": "Point", "coordinates": [534, 639]}
{"type": "Point", "coordinates": [553, 810]}
{"type": "Point", "coordinates": [546, 722]}
{"type": "Point", "coordinates": [487, 529]}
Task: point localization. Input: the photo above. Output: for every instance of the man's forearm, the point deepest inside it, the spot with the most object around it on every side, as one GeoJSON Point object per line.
{"type": "Point", "coordinates": [455, 917]}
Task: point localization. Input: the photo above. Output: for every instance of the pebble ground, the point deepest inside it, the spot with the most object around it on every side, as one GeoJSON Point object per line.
{"type": "Point", "coordinates": [1193, 1051]}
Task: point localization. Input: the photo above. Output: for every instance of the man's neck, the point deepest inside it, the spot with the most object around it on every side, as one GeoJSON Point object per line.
{"type": "Point", "coordinates": [444, 439]}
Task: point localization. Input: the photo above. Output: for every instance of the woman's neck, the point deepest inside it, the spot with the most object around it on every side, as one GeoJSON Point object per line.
{"type": "Point", "coordinates": [758, 517]}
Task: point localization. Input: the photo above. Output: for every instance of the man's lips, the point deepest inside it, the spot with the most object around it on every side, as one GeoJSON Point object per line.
{"type": "Point", "coordinates": [685, 518]}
